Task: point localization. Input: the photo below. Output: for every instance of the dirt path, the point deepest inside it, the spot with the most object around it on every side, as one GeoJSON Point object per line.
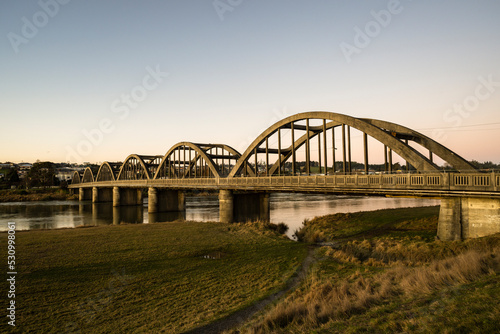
{"type": "Point", "coordinates": [241, 316]}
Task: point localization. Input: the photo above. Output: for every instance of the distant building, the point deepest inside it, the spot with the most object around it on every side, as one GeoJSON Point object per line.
{"type": "Point", "coordinates": [66, 173]}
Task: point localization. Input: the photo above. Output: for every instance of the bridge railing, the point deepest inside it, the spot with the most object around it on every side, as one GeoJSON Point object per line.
{"type": "Point", "coordinates": [481, 182]}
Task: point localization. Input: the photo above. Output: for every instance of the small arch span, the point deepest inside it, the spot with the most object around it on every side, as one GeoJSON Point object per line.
{"type": "Point", "coordinates": [193, 160]}
{"type": "Point", "coordinates": [108, 171]}
{"type": "Point", "coordinates": [139, 167]}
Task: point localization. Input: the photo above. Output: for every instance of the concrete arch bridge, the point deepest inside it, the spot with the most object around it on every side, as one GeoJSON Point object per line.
{"type": "Point", "coordinates": [310, 152]}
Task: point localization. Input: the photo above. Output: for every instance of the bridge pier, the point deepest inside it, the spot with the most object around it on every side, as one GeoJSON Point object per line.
{"type": "Point", "coordinates": [102, 195]}
{"type": "Point", "coordinates": [468, 217]}
{"type": "Point", "coordinates": [164, 200]}
{"type": "Point", "coordinates": [127, 196]}
{"type": "Point", "coordinates": [85, 194]}
{"type": "Point", "coordinates": [243, 207]}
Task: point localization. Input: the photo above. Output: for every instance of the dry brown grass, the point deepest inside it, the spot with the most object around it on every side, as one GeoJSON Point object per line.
{"type": "Point", "coordinates": [324, 301]}
{"type": "Point", "coordinates": [390, 252]}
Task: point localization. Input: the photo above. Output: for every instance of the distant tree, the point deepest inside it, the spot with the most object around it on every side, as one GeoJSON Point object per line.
{"type": "Point", "coordinates": [42, 174]}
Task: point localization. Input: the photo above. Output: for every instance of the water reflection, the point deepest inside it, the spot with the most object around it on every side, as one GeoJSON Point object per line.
{"type": "Point", "coordinates": [290, 209]}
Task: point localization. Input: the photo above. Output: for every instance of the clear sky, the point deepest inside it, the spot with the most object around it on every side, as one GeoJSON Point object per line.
{"type": "Point", "coordinates": [97, 80]}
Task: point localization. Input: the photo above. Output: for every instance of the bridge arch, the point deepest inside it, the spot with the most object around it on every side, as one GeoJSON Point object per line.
{"type": "Point", "coordinates": [139, 167]}
{"type": "Point", "coordinates": [108, 171]}
{"type": "Point", "coordinates": [403, 133]}
{"type": "Point", "coordinates": [193, 160]}
{"type": "Point", "coordinates": [88, 176]}
{"type": "Point", "coordinates": [76, 177]}
{"type": "Point", "coordinates": [392, 136]}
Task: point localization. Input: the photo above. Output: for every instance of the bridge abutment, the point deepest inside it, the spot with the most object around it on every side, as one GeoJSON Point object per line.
{"type": "Point", "coordinates": [243, 207]}
{"type": "Point", "coordinates": [468, 217]}
{"type": "Point", "coordinates": [160, 200]}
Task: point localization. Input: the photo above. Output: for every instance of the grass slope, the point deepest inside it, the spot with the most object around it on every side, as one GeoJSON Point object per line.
{"type": "Point", "coordinates": [168, 277]}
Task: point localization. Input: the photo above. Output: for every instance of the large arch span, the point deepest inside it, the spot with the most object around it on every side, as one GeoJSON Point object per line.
{"type": "Point", "coordinates": [395, 138]}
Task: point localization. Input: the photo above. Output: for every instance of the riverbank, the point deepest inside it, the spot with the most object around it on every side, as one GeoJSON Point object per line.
{"type": "Point", "coordinates": [384, 272]}
{"type": "Point", "coordinates": [169, 277]}
{"type": "Point", "coordinates": [379, 271]}
{"type": "Point", "coordinates": [43, 194]}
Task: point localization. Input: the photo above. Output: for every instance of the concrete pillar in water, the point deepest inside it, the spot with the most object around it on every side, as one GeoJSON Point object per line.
{"type": "Point", "coordinates": [468, 217]}
{"type": "Point", "coordinates": [116, 215]}
{"type": "Point", "coordinates": [152, 200]}
{"type": "Point", "coordinates": [84, 194]}
{"type": "Point", "coordinates": [251, 207]}
{"type": "Point", "coordinates": [225, 206]}
{"type": "Point", "coordinates": [165, 200]}
{"type": "Point", "coordinates": [127, 196]}
{"type": "Point", "coordinates": [243, 207]}
{"type": "Point", "coordinates": [139, 197]}
{"type": "Point", "coordinates": [95, 195]}
{"type": "Point", "coordinates": [105, 195]}
{"type": "Point", "coordinates": [116, 196]}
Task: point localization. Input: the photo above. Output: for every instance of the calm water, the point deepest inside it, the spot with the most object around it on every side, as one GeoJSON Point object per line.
{"type": "Point", "coordinates": [290, 209]}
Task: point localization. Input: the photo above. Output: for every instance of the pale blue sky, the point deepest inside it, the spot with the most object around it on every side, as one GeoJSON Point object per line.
{"type": "Point", "coordinates": [229, 79]}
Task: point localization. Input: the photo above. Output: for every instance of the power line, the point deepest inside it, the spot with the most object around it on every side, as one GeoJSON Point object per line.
{"type": "Point", "coordinates": [462, 126]}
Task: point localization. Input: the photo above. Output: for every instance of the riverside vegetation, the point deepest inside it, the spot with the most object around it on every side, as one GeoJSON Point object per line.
{"type": "Point", "coordinates": [41, 194]}
{"type": "Point", "coordinates": [383, 271]}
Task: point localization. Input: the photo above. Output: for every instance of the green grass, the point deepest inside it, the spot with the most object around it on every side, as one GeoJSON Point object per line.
{"type": "Point", "coordinates": [145, 278]}
{"type": "Point", "coordinates": [397, 222]}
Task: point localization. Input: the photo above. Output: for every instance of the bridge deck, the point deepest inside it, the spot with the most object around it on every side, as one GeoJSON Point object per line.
{"type": "Point", "coordinates": [418, 185]}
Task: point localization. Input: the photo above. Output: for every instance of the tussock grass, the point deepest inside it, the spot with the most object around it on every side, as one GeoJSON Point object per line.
{"type": "Point", "coordinates": [395, 279]}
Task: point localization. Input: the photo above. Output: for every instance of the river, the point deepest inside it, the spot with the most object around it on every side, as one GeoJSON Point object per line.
{"type": "Point", "coordinates": [291, 209]}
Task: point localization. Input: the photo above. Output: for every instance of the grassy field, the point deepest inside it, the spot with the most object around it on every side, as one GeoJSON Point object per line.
{"type": "Point", "coordinates": [165, 277]}
{"type": "Point", "coordinates": [384, 272]}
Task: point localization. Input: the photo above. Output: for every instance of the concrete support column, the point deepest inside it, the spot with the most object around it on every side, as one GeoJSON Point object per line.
{"type": "Point", "coordinates": [140, 198]}
{"type": "Point", "coordinates": [130, 196]}
{"type": "Point", "coordinates": [265, 207]}
{"type": "Point", "coordinates": [95, 195]}
{"type": "Point", "coordinates": [243, 207]}
{"type": "Point", "coordinates": [152, 200]}
{"type": "Point", "coordinates": [165, 200]}
{"type": "Point", "coordinates": [116, 214]}
{"type": "Point", "coordinates": [468, 217]}
{"type": "Point", "coordinates": [84, 194]}
{"type": "Point", "coordinates": [251, 207]}
{"type": "Point", "coordinates": [450, 223]}
{"type": "Point", "coordinates": [225, 206]}
{"type": "Point", "coordinates": [116, 196]}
